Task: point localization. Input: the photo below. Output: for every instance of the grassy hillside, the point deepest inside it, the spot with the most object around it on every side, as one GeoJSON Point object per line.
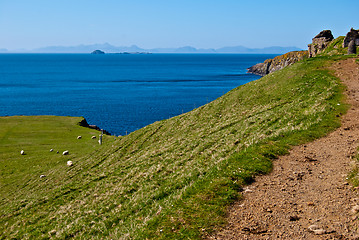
{"type": "Point", "coordinates": [336, 48]}
{"type": "Point", "coordinates": [172, 179]}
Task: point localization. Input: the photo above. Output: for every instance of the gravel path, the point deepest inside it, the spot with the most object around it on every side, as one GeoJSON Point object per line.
{"type": "Point", "coordinates": [306, 196]}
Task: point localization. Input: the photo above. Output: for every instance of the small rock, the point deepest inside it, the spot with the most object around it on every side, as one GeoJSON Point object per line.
{"type": "Point", "coordinates": [69, 163]}
{"type": "Point", "coordinates": [93, 137]}
{"type": "Point", "coordinates": [319, 231]}
{"type": "Point", "coordinates": [51, 150]}
{"type": "Point", "coordinates": [22, 152]}
{"type": "Point", "coordinates": [310, 159]}
{"type": "Point", "coordinates": [247, 190]}
{"type": "Point", "coordinates": [269, 210]}
{"type": "Point", "coordinates": [79, 137]}
{"type": "Point", "coordinates": [313, 227]}
{"type": "Point", "coordinates": [294, 218]}
{"type": "Point", "coordinates": [355, 209]}
{"type": "Point", "coordinates": [65, 153]}
{"type": "Point", "coordinates": [57, 152]}
{"type": "Point", "coordinates": [42, 176]}
{"type": "Point", "coordinates": [316, 230]}
{"type": "Point", "coordinates": [310, 203]}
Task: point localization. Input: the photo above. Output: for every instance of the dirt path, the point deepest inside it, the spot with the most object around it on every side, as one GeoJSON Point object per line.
{"type": "Point", "coordinates": [306, 196]}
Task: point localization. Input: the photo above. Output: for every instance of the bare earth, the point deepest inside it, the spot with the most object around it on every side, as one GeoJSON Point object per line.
{"type": "Point", "coordinates": [307, 195]}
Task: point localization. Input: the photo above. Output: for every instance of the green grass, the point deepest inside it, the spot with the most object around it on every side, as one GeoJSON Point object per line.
{"type": "Point", "coordinates": [36, 136]}
{"type": "Point", "coordinates": [175, 178]}
{"type": "Point", "coordinates": [336, 48]}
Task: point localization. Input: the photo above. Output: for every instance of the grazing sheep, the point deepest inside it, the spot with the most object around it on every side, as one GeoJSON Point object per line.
{"type": "Point", "coordinates": [79, 137]}
{"type": "Point", "coordinates": [51, 150]}
{"type": "Point", "coordinates": [65, 153]}
{"type": "Point", "coordinates": [93, 137]}
{"type": "Point", "coordinates": [42, 176]}
{"type": "Point", "coordinates": [22, 152]}
{"type": "Point", "coordinates": [69, 163]}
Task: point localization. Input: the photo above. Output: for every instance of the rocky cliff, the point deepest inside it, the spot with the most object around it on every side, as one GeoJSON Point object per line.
{"type": "Point", "coordinates": [320, 42]}
{"type": "Point", "coordinates": [277, 63]}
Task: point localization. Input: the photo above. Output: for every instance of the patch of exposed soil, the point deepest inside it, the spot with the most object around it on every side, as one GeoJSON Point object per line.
{"type": "Point", "coordinates": [306, 196]}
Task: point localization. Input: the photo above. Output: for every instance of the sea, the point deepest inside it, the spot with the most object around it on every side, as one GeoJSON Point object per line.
{"type": "Point", "coordinates": [118, 92]}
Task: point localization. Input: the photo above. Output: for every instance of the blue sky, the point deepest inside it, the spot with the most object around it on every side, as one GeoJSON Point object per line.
{"type": "Point", "coordinates": [31, 24]}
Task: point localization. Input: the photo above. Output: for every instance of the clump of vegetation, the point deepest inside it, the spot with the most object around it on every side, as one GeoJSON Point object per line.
{"type": "Point", "coordinates": [174, 178]}
{"type": "Point", "coordinates": [335, 47]}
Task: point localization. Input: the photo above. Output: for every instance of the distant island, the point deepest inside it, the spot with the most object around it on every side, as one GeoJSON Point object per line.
{"type": "Point", "coordinates": [98, 52]}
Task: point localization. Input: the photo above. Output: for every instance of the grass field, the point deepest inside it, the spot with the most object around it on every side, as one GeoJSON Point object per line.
{"type": "Point", "coordinates": [170, 180]}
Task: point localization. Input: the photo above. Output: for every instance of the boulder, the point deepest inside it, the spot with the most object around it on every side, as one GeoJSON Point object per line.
{"type": "Point", "coordinates": [352, 49]}
{"type": "Point", "coordinates": [351, 35]}
{"type": "Point", "coordinates": [320, 42]}
{"type": "Point", "coordinates": [327, 34]}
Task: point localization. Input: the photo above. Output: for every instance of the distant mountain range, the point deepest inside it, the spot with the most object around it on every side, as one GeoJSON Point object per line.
{"type": "Point", "coordinates": [108, 48]}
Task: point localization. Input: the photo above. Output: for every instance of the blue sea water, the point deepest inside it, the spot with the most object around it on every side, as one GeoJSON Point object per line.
{"type": "Point", "coordinates": [118, 92]}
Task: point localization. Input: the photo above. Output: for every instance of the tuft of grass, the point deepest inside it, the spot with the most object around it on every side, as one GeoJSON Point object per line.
{"type": "Point", "coordinates": [353, 176]}
{"type": "Point", "coordinates": [174, 179]}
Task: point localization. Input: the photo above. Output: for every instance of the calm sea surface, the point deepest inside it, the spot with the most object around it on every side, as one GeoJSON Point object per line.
{"type": "Point", "coordinates": [118, 92]}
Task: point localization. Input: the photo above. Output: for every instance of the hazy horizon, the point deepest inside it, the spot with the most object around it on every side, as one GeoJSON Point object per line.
{"type": "Point", "coordinates": [171, 24]}
{"type": "Point", "coordinates": [109, 48]}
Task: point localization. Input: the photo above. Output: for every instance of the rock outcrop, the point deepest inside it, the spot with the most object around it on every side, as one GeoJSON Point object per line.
{"type": "Point", "coordinates": [351, 35]}
{"type": "Point", "coordinates": [84, 123]}
{"type": "Point", "coordinates": [277, 63]}
{"type": "Point", "coordinates": [352, 49]}
{"type": "Point", "coordinates": [320, 42]}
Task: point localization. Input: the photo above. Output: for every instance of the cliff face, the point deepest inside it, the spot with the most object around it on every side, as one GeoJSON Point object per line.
{"type": "Point", "coordinates": [277, 63]}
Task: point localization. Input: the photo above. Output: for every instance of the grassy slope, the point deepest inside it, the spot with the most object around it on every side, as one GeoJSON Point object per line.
{"type": "Point", "coordinates": [173, 179]}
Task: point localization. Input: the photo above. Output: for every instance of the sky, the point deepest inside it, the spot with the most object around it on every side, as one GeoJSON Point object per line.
{"type": "Point", "coordinates": [30, 24]}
